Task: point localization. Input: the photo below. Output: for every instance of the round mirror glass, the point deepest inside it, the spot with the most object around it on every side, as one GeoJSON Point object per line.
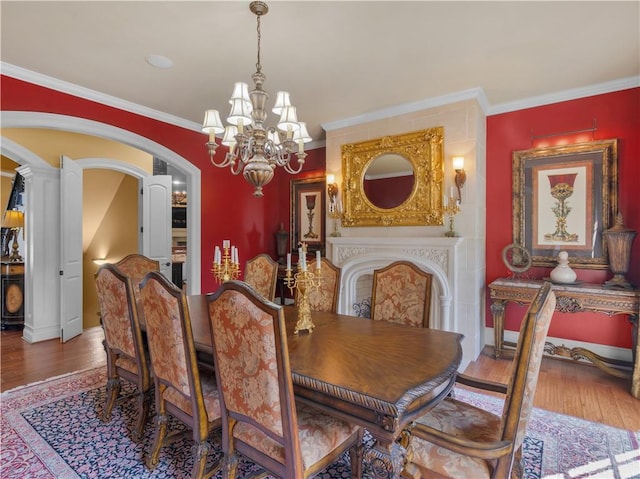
{"type": "Point", "coordinates": [388, 180]}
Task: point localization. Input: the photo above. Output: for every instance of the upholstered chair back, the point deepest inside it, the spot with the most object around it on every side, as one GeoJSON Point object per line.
{"type": "Point", "coordinates": [260, 417]}
{"type": "Point", "coordinates": [261, 273]}
{"type": "Point", "coordinates": [126, 353]}
{"type": "Point", "coordinates": [528, 358]}
{"type": "Point", "coordinates": [181, 390]}
{"type": "Point", "coordinates": [135, 266]}
{"type": "Point", "coordinates": [457, 439]}
{"type": "Point", "coordinates": [325, 297]}
{"type": "Point", "coordinates": [401, 294]}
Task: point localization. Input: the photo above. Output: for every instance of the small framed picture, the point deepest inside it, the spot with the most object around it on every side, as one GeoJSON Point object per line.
{"type": "Point", "coordinates": [308, 214]}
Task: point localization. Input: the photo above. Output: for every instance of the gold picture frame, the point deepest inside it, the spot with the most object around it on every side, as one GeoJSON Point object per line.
{"type": "Point", "coordinates": [308, 206]}
{"type": "Point", "coordinates": [423, 206]}
{"type": "Point", "coordinates": [565, 197]}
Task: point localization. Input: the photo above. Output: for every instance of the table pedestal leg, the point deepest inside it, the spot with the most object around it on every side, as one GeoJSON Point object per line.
{"type": "Point", "coordinates": [497, 311]}
{"type": "Point", "coordinates": [384, 461]}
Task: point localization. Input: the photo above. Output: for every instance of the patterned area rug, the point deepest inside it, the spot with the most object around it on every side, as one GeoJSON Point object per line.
{"type": "Point", "coordinates": [51, 430]}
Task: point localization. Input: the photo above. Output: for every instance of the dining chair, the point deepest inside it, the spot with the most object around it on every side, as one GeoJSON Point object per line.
{"type": "Point", "coordinates": [401, 293]}
{"type": "Point", "coordinates": [325, 297]}
{"type": "Point", "coordinates": [127, 357]}
{"type": "Point", "coordinates": [459, 440]}
{"type": "Point", "coordinates": [181, 390]}
{"type": "Point", "coordinates": [261, 419]}
{"type": "Point", "coordinates": [136, 266]}
{"type": "Point", "coordinates": [261, 273]}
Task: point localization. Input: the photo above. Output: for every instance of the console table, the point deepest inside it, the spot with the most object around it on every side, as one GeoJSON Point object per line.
{"type": "Point", "coordinates": [574, 298]}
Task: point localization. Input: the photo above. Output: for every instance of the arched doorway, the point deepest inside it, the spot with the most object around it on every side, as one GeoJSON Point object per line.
{"type": "Point", "coordinates": [41, 291]}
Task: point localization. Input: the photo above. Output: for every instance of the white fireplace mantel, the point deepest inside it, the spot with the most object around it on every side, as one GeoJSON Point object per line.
{"type": "Point", "coordinates": [443, 257]}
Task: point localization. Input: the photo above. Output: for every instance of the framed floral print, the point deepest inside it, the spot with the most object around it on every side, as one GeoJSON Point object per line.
{"type": "Point", "coordinates": [308, 214]}
{"type": "Point", "coordinates": [564, 198]}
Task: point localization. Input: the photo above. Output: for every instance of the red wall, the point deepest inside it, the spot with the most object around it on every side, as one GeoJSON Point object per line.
{"type": "Point", "coordinates": [617, 115]}
{"type": "Point", "coordinates": [229, 209]}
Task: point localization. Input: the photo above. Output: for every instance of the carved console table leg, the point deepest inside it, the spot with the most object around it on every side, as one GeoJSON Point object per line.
{"type": "Point", "coordinates": [497, 311]}
{"type": "Point", "coordinates": [384, 461]}
{"type": "Point", "coordinates": [635, 352]}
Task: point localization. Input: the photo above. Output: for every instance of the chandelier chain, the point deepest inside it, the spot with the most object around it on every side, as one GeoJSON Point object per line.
{"type": "Point", "coordinates": [258, 65]}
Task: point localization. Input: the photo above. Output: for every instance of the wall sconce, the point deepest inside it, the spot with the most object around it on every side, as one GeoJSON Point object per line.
{"type": "Point", "coordinates": [332, 188]}
{"type": "Point", "coordinates": [335, 209]}
{"type": "Point", "coordinates": [99, 261]}
{"type": "Point", "coordinates": [461, 175]}
{"type": "Point", "coordinates": [14, 220]}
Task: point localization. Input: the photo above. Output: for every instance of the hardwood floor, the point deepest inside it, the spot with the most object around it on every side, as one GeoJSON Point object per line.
{"type": "Point", "coordinates": [566, 387]}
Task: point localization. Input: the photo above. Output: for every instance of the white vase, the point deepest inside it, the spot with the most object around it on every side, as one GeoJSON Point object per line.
{"type": "Point", "coordinates": [563, 272]}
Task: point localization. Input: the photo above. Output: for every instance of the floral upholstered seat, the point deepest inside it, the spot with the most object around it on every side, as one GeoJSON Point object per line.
{"type": "Point", "coordinates": [325, 298]}
{"type": "Point", "coordinates": [261, 273]}
{"type": "Point", "coordinates": [261, 419]}
{"type": "Point", "coordinates": [126, 355]}
{"type": "Point", "coordinates": [458, 440]}
{"type": "Point", "coordinates": [401, 294]}
{"type": "Point", "coordinates": [181, 390]}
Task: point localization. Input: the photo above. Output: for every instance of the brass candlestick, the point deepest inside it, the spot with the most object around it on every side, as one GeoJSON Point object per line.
{"type": "Point", "coordinates": [225, 264]}
{"type": "Point", "coordinates": [335, 213]}
{"type": "Point", "coordinates": [302, 281]}
{"type": "Point", "coordinates": [451, 208]}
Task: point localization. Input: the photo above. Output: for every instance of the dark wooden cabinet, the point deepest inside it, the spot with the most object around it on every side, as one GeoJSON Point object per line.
{"type": "Point", "coordinates": [12, 280]}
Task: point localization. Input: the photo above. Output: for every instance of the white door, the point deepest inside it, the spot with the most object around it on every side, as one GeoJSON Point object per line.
{"type": "Point", "coordinates": [156, 221]}
{"type": "Point", "coordinates": [71, 249]}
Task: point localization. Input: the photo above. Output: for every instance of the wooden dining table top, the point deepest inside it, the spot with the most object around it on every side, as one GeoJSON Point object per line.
{"type": "Point", "coordinates": [378, 374]}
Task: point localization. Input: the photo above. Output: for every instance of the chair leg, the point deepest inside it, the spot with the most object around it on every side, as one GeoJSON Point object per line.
{"type": "Point", "coordinates": [230, 466]}
{"type": "Point", "coordinates": [200, 451]}
{"type": "Point", "coordinates": [355, 453]}
{"type": "Point", "coordinates": [160, 434]}
{"type": "Point", "coordinates": [113, 391]}
{"type": "Point", "coordinates": [517, 469]}
{"type": "Point", "coordinates": [143, 400]}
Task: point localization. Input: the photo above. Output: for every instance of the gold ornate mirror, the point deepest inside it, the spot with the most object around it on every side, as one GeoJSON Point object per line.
{"type": "Point", "coordinates": [394, 180]}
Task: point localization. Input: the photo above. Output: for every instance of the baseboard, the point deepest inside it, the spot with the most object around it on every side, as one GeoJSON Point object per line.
{"type": "Point", "coordinates": [610, 352]}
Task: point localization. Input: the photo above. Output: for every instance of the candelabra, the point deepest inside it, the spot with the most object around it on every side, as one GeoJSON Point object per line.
{"type": "Point", "coordinates": [335, 208]}
{"type": "Point", "coordinates": [303, 280]}
{"type": "Point", "coordinates": [451, 208]}
{"type": "Point", "coordinates": [335, 213]}
{"type": "Point", "coordinates": [225, 263]}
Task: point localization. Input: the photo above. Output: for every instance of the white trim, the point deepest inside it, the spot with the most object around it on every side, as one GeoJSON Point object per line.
{"type": "Point", "coordinates": [566, 95]}
{"type": "Point", "coordinates": [109, 164]}
{"type": "Point", "coordinates": [609, 352]}
{"type": "Point", "coordinates": [88, 94]}
{"type": "Point", "coordinates": [11, 149]}
{"type": "Point", "coordinates": [471, 94]}
{"type": "Point", "coordinates": [27, 119]}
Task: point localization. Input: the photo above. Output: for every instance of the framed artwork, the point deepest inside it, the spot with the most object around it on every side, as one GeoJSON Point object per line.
{"type": "Point", "coordinates": [308, 214]}
{"type": "Point", "coordinates": [564, 198]}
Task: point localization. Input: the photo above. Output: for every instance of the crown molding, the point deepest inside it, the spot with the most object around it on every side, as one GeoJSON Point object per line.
{"type": "Point", "coordinates": [88, 94]}
{"type": "Point", "coordinates": [566, 95]}
{"type": "Point", "coordinates": [471, 94]}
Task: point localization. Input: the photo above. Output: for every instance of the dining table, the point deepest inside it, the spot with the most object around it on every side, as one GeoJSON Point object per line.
{"type": "Point", "coordinates": [378, 374]}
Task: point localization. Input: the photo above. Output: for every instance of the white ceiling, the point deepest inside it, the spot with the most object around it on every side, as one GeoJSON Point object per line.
{"type": "Point", "coordinates": [338, 60]}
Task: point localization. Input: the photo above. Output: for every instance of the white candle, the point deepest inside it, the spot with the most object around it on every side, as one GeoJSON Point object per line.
{"type": "Point", "coordinates": [226, 243]}
{"type": "Point", "coordinates": [289, 261]}
{"type": "Point", "coordinates": [444, 200]}
{"type": "Point", "coordinates": [318, 261]}
{"type": "Point", "coordinates": [216, 255]}
{"type": "Point", "coordinates": [237, 260]}
{"type": "Point", "coordinates": [452, 192]}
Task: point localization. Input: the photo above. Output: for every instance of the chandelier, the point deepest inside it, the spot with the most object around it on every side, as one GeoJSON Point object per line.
{"type": "Point", "coordinates": [256, 150]}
